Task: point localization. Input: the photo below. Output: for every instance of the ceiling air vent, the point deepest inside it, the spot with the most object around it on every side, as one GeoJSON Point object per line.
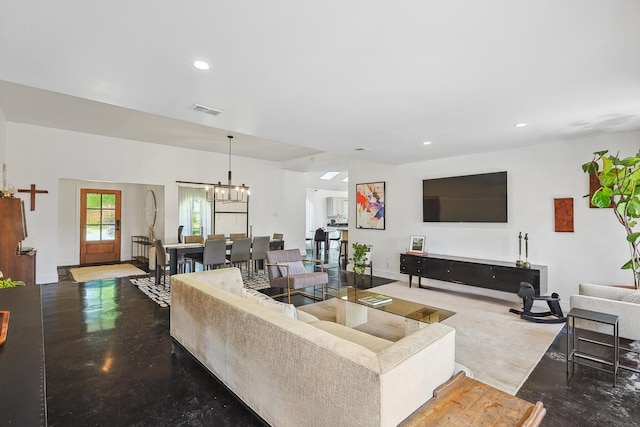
{"type": "Point", "coordinates": [206, 110]}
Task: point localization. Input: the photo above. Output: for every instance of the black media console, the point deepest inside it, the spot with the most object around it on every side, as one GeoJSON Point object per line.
{"type": "Point", "coordinates": [496, 275]}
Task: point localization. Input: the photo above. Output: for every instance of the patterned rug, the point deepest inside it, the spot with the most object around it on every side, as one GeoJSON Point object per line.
{"type": "Point", "coordinates": [161, 295]}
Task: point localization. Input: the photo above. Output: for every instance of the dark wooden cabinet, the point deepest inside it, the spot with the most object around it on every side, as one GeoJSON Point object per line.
{"type": "Point", "coordinates": [496, 275]}
{"type": "Point", "coordinates": [22, 369]}
{"type": "Point", "coordinates": [18, 265]}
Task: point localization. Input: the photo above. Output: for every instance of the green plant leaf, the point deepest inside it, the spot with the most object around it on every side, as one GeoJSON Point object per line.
{"type": "Point", "coordinates": [633, 237]}
{"type": "Point", "coordinates": [608, 178]}
{"type": "Point", "coordinates": [607, 164]}
{"type": "Point", "coordinates": [601, 153]}
{"type": "Point", "coordinates": [591, 168]}
{"type": "Point", "coordinates": [633, 208]}
{"type": "Point", "coordinates": [602, 197]}
{"type": "Point", "coordinates": [629, 264]}
{"type": "Point", "coordinates": [630, 161]}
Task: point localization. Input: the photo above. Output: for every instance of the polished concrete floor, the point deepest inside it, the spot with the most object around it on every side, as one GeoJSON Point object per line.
{"type": "Point", "coordinates": [109, 363]}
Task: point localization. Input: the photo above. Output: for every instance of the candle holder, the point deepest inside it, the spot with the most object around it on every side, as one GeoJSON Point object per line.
{"type": "Point", "coordinates": [526, 264]}
{"type": "Point", "coordinates": [519, 261]}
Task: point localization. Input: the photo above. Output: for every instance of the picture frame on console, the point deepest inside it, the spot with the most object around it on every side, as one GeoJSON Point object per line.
{"type": "Point", "coordinates": [417, 245]}
{"type": "Point", "coordinates": [370, 205]}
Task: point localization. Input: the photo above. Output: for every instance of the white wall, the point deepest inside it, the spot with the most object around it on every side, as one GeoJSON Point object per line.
{"type": "Point", "coordinates": [536, 175]}
{"type": "Point", "coordinates": [46, 157]}
{"type": "Point", "coordinates": [3, 143]}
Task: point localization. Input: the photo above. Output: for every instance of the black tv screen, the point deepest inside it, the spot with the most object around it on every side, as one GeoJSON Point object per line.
{"type": "Point", "coordinates": [470, 198]}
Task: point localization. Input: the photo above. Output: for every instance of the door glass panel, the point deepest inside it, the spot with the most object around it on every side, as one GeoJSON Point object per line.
{"type": "Point", "coordinates": [101, 217]}
{"type": "Point", "coordinates": [93, 233]}
{"type": "Point", "coordinates": [93, 216]}
{"type": "Point", "coordinates": [93, 200]}
{"type": "Point", "coordinates": [108, 201]}
{"type": "Point", "coordinates": [108, 217]}
{"type": "Point", "coordinates": [108, 232]}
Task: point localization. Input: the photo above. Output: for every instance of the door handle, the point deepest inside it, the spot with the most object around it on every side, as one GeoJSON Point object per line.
{"type": "Point", "coordinates": [117, 225]}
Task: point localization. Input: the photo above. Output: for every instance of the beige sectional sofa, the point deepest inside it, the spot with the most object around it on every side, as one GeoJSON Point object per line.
{"type": "Point", "coordinates": [304, 372]}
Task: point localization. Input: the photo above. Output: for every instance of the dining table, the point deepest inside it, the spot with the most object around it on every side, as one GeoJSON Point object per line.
{"type": "Point", "coordinates": [177, 250]}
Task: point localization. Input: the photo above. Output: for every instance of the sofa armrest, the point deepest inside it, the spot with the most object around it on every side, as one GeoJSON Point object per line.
{"type": "Point", "coordinates": [417, 364]}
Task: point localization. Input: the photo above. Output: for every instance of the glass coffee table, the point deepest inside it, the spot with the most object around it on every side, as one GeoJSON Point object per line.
{"type": "Point", "coordinates": [354, 306]}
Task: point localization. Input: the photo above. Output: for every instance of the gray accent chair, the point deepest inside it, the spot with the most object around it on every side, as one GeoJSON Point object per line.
{"type": "Point", "coordinates": [294, 283]}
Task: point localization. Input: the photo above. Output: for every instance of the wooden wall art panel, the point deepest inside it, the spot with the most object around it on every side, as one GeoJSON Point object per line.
{"type": "Point", "coordinates": [563, 209]}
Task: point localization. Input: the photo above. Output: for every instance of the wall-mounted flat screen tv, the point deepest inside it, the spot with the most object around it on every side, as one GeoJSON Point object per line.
{"type": "Point", "coordinates": [469, 198]}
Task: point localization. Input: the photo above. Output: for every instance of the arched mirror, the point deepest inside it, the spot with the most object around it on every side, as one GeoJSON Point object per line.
{"type": "Point", "coordinates": [150, 209]}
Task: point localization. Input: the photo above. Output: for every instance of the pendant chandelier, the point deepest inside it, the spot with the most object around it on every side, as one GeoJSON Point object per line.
{"type": "Point", "coordinates": [228, 193]}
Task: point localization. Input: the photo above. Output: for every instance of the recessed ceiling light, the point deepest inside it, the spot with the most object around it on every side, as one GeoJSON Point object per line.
{"type": "Point", "coordinates": [201, 65]}
{"type": "Point", "coordinates": [520, 125]}
{"type": "Point", "coordinates": [329, 175]}
{"type": "Point", "coordinates": [426, 143]}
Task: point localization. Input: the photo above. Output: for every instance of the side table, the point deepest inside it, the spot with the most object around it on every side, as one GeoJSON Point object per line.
{"type": "Point", "coordinates": [574, 355]}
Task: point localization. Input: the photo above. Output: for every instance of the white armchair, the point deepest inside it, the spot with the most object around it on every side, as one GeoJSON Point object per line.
{"type": "Point", "coordinates": [608, 299]}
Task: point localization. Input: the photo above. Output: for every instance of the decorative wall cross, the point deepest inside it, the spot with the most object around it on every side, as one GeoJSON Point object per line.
{"type": "Point", "coordinates": [33, 192]}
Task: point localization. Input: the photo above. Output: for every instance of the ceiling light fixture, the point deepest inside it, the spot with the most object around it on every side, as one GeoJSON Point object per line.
{"type": "Point", "coordinates": [201, 65]}
{"type": "Point", "coordinates": [228, 193]}
{"type": "Point", "coordinates": [426, 143]}
{"type": "Point", "coordinates": [329, 176]}
{"type": "Point", "coordinates": [520, 125]}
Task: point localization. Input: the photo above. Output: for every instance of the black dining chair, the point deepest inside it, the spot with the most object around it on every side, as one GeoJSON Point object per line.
{"type": "Point", "coordinates": [321, 239]}
{"type": "Point", "coordinates": [180, 228]}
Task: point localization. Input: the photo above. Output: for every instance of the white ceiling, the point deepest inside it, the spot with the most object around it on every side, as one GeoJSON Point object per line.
{"type": "Point", "coordinates": [309, 82]}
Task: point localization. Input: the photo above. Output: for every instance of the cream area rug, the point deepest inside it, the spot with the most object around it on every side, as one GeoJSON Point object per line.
{"type": "Point", "coordinates": [498, 347]}
{"type": "Point", "coordinates": [85, 274]}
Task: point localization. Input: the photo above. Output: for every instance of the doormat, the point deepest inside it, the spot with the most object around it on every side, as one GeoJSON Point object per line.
{"type": "Point", "coordinates": [85, 274]}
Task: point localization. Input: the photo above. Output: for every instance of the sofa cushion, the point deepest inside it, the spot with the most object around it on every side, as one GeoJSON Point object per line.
{"type": "Point", "coordinates": [225, 279]}
{"type": "Point", "coordinates": [288, 310]}
{"type": "Point", "coordinates": [633, 297]}
{"type": "Point", "coordinates": [306, 317]}
{"type": "Point", "coordinates": [371, 342]}
{"type": "Point", "coordinates": [294, 267]}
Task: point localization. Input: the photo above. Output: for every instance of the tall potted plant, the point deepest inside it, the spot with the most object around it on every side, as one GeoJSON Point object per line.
{"type": "Point", "coordinates": [620, 189]}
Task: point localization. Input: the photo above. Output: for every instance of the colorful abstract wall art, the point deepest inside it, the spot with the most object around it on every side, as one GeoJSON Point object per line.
{"type": "Point", "coordinates": [370, 208]}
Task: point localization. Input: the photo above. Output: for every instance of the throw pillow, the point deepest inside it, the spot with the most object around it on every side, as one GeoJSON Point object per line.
{"type": "Point", "coordinates": [295, 267]}
{"type": "Point", "coordinates": [287, 310]}
{"type": "Point", "coordinates": [633, 297]}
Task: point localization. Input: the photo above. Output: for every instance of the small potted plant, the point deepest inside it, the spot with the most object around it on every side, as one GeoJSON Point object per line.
{"type": "Point", "coordinates": [361, 257]}
{"type": "Point", "coordinates": [8, 283]}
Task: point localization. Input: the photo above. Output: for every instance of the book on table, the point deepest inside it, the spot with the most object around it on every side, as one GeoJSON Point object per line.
{"type": "Point", "coordinates": [375, 299]}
